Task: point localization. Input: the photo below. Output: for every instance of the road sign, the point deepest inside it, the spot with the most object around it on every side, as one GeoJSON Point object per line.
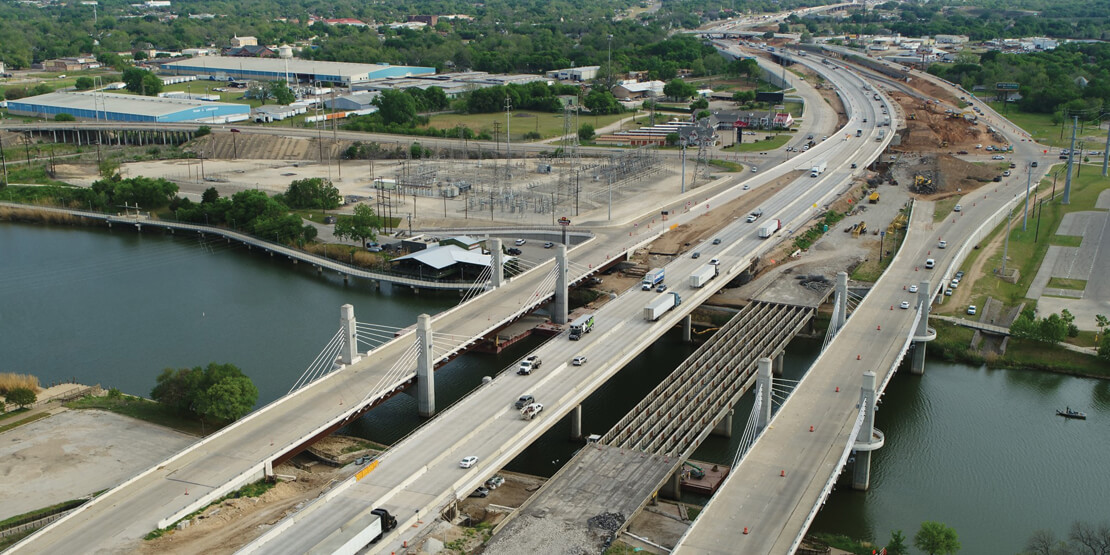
{"type": "Point", "coordinates": [564, 221]}
{"type": "Point", "coordinates": [1006, 86]}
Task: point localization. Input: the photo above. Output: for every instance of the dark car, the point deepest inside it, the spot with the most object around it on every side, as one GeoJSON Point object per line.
{"type": "Point", "coordinates": [1034, 164]}
{"type": "Point", "coordinates": [514, 251]}
{"type": "Point", "coordinates": [998, 178]}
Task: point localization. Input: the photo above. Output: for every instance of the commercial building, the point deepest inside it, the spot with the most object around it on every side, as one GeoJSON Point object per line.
{"type": "Point", "coordinates": [633, 91]}
{"type": "Point", "coordinates": [454, 85]}
{"type": "Point", "coordinates": [578, 74]}
{"type": "Point", "coordinates": [125, 107]}
{"type": "Point", "coordinates": [361, 100]}
{"type": "Point", "coordinates": [297, 70]}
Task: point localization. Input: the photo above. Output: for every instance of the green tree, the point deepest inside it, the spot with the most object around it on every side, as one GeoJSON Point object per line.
{"type": "Point", "coordinates": [743, 97]}
{"type": "Point", "coordinates": [22, 396]}
{"type": "Point", "coordinates": [229, 398]}
{"type": "Point", "coordinates": [935, 538]}
{"type": "Point", "coordinates": [41, 88]}
{"type": "Point", "coordinates": [416, 151]}
{"type": "Point", "coordinates": [210, 196]}
{"type": "Point", "coordinates": [671, 139]}
{"type": "Point", "coordinates": [897, 544]}
{"type": "Point", "coordinates": [600, 101]}
{"type": "Point", "coordinates": [218, 391]}
{"type": "Point", "coordinates": [281, 93]}
{"type": "Point", "coordinates": [361, 226]}
{"type": "Point", "coordinates": [679, 89]}
{"type": "Point", "coordinates": [84, 83]}
{"type": "Point", "coordinates": [313, 192]}
{"type": "Point", "coordinates": [768, 35]}
{"type": "Point", "coordinates": [203, 130]}
{"type": "Point", "coordinates": [784, 28]}
{"type": "Point", "coordinates": [396, 107]}
{"type": "Point", "coordinates": [586, 132]}
{"type": "Point", "coordinates": [700, 103]}
{"type": "Point", "coordinates": [141, 81]}
{"type": "Point", "coordinates": [64, 117]}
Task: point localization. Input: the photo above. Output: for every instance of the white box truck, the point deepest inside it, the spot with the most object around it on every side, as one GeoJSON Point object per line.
{"type": "Point", "coordinates": [651, 279]}
{"type": "Point", "coordinates": [660, 305]}
{"type": "Point", "coordinates": [702, 275]}
{"type": "Point", "coordinates": [818, 169]}
{"type": "Point", "coordinates": [768, 229]}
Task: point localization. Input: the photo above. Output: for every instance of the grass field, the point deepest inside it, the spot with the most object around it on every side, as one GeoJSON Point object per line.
{"type": "Point", "coordinates": [142, 409]}
{"type": "Point", "coordinates": [1042, 129]}
{"type": "Point", "coordinates": [943, 207]}
{"type": "Point", "coordinates": [759, 144]}
{"type": "Point", "coordinates": [545, 123]}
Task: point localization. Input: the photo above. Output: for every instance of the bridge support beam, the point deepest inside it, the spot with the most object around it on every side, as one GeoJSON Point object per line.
{"type": "Point", "coordinates": [425, 372]}
{"type": "Point", "coordinates": [861, 473]}
{"type": "Point", "coordinates": [776, 364]}
{"type": "Point", "coordinates": [348, 354]}
{"type": "Point", "coordinates": [672, 488]}
{"type": "Point", "coordinates": [562, 279]}
{"type": "Point", "coordinates": [497, 263]}
{"type": "Point", "coordinates": [841, 299]}
{"type": "Point", "coordinates": [724, 427]}
{"type": "Point", "coordinates": [687, 328]}
{"type": "Point", "coordinates": [576, 423]}
{"type": "Point", "coordinates": [763, 384]}
{"type": "Point", "coordinates": [925, 301]}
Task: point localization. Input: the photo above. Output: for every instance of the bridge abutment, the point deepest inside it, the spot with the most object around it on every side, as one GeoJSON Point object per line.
{"type": "Point", "coordinates": [497, 275]}
{"type": "Point", "coordinates": [425, 372]}
{"type": "Point", "coordinates": [560, 308]}
{"type": "Point", "coordinates": [687, 328]}
{"type": "Point", "coordinates": [348, 354]}
{"type": "Point", "coordinates": [922, 335]}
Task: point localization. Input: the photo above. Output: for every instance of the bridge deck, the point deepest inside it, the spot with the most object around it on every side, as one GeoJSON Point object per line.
{"type": "Point", "coordinates": [599, 479]}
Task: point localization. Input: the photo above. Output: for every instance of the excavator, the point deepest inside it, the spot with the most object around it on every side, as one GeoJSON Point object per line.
{"type": "Point", "coordinates": [695, 471]}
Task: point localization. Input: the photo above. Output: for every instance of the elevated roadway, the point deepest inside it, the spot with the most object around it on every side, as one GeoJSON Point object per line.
{"type": "Point", "coordinates": [420, 475]}
{"type": "Point", "coordinates": [768, 502]}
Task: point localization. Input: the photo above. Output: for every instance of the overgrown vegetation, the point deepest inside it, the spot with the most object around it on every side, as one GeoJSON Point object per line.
{"type": "Point", "coordinates": [810, 236]}
{"type": "Point", "coordinates": [11, 380]}
{"type": "Point", "coordinates": [217, 392]}
{"type": "Point", "coordinates": [146, 410]}
{"type": "Point", "coordinates": [253, 489]}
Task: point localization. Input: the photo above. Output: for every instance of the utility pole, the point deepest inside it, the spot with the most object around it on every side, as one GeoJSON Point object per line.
{"type": "Point", "coordinates": [1071, 159]}
{"type": "Point", "coordinates": [609, 81]}
{"type": "Point", "coordinates": [1006, 246]}
{"type": "Point", "coordinates": [610, 196]}
{"type": "Point", "coordinates": [508, 137]}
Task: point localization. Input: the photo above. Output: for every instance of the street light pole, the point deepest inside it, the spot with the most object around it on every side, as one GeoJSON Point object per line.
{"type": "Point", "coordinates": [1025, 214]}
{"type": "Point", "coordinates": [609, 82]}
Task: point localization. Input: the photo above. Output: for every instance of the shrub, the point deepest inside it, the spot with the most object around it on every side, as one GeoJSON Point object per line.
{"type": "Point", "coordinates": [22, 396]}
{"type": "Point", "coordinates": [10, 381]}
{"type": "Point", "coordinates": [64, 117]}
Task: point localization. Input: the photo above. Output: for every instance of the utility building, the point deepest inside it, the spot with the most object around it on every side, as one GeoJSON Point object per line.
{"type": "Point", "coordinates": [297, 70]}
{"type": "Point", "coordinates": [95, 106]}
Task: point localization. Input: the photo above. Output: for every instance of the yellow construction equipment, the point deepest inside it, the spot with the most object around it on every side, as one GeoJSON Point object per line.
{"type": "Point", "coordinates": [873, 198]}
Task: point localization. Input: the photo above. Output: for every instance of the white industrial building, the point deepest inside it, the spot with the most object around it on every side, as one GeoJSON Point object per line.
{"type": "Point", "coordinates": [579, 74]}
{"type": "Point", "coordinates": [101, 106]}
{"type": "Point", "coordinates": [293, 70]}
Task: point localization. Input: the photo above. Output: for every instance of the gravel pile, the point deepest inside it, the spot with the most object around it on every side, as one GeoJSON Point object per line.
{"type": "Point", "coordinates": [538, 535]}
{"type": "Point", "coordinates": [606, 526]}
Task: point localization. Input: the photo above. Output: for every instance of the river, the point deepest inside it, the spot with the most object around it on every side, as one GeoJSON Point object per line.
{"type": "Point", "coordinates": [977, 449]}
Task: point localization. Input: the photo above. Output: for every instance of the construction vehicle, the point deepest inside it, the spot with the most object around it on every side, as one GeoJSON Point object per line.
{"type": "Point", "coordinates": [873, 198]}
{"type": "Point", "coordinates": [859, 229]}
{"type": "Point", "coordinates": [695, 471]}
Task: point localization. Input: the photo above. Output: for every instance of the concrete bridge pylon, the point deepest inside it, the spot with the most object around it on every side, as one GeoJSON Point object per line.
{"type": "Point", "coordinates": [562, 281]}
{"type": "Point", "coordinates": [868, 439]}
{"type": "Point", "coordinates": [497, 275]}
{"type": "Point", "coordinates": [763, 384]}
{"type": "Point", "coordinates": [348, 354]}
{"type": "Point", "coordinates": [841, 299]}
{"type": "Point", "coordinates": [922, 334]}
{"type": "Point", "coordinates": [425, 370]}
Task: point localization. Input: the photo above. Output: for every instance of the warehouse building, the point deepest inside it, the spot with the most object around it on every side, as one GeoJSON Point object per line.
{"type": "Point", "coordinates": [293, 70]}
{"type": "Point", "coordinates": [125, 107]}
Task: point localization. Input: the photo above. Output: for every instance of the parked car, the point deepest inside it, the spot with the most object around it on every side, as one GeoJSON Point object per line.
{"type": "Point", "coordinates": [520, 242]}
{"type": "Point", "coordinates": [468, 462]}
{"type": "Point", "coordinates": [548, 245]}
{"type": "Point", "coordinates": [971, 310]}
{"type": "Point", "coordinates": [579, 360]}
{"type": "Point", "coordinates": [495, 482]}
{"type": "Point", "coordinates": [482, 491]}
{"type": "Point", "coordinates": [960, 274]}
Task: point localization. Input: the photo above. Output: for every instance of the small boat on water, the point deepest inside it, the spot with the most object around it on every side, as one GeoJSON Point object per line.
{"type": "Point", "coordinates": [1068, 413]}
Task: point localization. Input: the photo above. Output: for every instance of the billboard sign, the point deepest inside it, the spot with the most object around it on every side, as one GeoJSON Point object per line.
{"type": "Point", "coordinates": [1006, 86]}
{"type": "Point", "coordinates": [773, 97]}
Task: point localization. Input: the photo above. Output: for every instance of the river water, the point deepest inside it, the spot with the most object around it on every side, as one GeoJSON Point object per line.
{"type": "Point", "coordinates": [977, 449]}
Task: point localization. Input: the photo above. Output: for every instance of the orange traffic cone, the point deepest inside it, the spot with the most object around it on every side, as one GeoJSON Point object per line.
{"type": "Point", "coordinates": [782, 474]}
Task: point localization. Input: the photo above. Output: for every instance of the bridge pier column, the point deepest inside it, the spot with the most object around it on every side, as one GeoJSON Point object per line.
{"type": "Point", "coordinates": [776, 364]}
{"type": "Point", "coordinates": [672, 488]}
{"type": "Point", "coordinates": [268, 470]}
{"type": "Point", "coordinates": [576, 423]}
{"type": "Point", "coordinates": [724, 427]}
{"type": "Point", "coordinates": [861, 472]}
{"type": "Point", "coordinates": [497, 262]}
{"type": "Point", "coordinates": [687, 328]}
{"type": "Point", "coordinates": [921, 334]}
{"type": "Point", "coordinates": [425, 372]}
{"type": "Point", "coordinates": [841, 299]}
{"type": "Point", "coordinates": [763, 384]}
{"type": "Point", "coordinates": [348, 354]}
{"type": "Point", "coordinates": [562, 280]}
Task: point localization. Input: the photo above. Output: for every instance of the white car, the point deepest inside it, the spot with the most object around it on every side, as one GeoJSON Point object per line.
{"type": "Point", "coordinates": [942, 244]}
{"type": "Point", "coordinates": [913, 289]}
{"type": "Point", "coordinates": [578, 360]}
{"type": "Point", "coordinates": [905, 304]}
{"type": "Point", "coordinates": [957, 208]}
{"type": "Point", "coordinates": [998, 157]}
{"type": "Point", "coordinates": [468, 462]}
{"type": "Point", "coordinates": [971, 310]}
{"type": "Point", "coordinates": [520, 242]}
{"type": "Point", "coordinates": [715, 261]}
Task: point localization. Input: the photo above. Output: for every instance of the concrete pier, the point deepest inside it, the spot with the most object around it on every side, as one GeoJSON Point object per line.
{"type": "Point", "coordinates": [576, 423]}
{"type": "Point", "coordinates": [687, 328]}
{"type": "Point", "coordinates": [425, 372]}
{"type": "Point", "coordinates": [562, 281]}
{"type": "Point", "coordinates": [841, 299]}
{"type": "Point", "coordinates": [922, 334]}
{"type": "Point", "coordinates": [724, 427]}
{"type": "Point", "coordinates": [868, 438]}
{"type": "Point", "coordinates": [763, 384]}
{"type": "Point", "coordinates": [348, 354]}
{"type": "Point", "coordinates": [498, 264]}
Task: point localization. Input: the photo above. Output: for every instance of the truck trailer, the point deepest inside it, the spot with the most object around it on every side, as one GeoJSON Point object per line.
{"type": "Point", "coordinates": [702, 275]}
{"type": "Point", "coordinates": [769, 228]}
{"type": "Point", "coordinates": [818, 169]}
{"type": "Point", "coordinates": [651, 279]}
{"type": "Point", "coordinates": [581, 326]}
{"type": "Point", "coordinates": [660, 305]}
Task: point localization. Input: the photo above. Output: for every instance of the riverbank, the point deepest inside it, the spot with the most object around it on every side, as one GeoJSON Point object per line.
{"type": "Point", "coordinates": [953, 344]}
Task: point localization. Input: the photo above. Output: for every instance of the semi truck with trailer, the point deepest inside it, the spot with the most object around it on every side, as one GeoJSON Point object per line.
{"type": "Point", "coordinates": [702, 275]}
{"type": "Point", "coordinates": [818, 169]}
{"type": "Point", "coordinates": [769, 228]}
{"type": "Point", "coordinates": [660, 305]}
{"type": "Point", "coordinates": [581, 326]}
{"type": "Point", "coordinates": [651, 279]}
